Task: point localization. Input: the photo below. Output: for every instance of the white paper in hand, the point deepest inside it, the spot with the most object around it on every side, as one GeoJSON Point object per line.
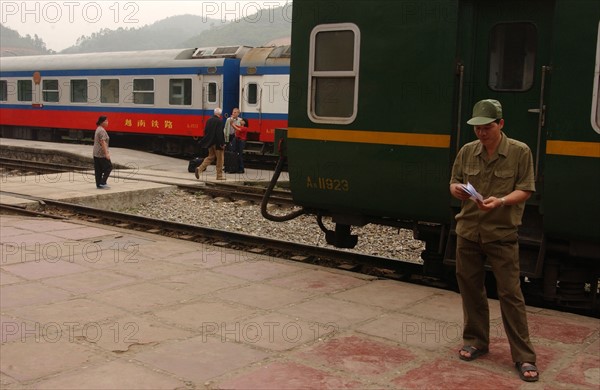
{"type": "Point", "coordinates": [469, 189]}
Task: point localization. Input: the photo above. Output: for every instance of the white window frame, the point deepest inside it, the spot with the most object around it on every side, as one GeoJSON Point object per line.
{"type": "Point", "coordinates": [595, 117]}
{"type": "Point", "coordinates": [315, 74]}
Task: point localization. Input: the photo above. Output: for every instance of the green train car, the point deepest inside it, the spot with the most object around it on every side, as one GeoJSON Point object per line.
{"type": "Point", "coordinates": [380, 92]}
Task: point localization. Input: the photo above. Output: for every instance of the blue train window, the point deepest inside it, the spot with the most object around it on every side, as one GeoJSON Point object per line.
{"type": "Point", "coordinates": [50, 91]}
{"type": "Point", "coordinates": [212, 93]}
{"type": "Point", "coordinates": [3, 90]}
{"type": "Point", "coordinates": [333, 73]}
{"type": "Point", "coordinates": [252, 96]}
{"type": "Point", "coordinates": [79, 91]}
{"type": "Point", "coordinates": [143, 91]}
{"type": "Point", "coordinates": [180, 92]}
{"type": "Point", "coordinates": [109, 91]}
{"type": "Point", "coordinates": [512, 56]}
{"type": "Point", "coordinates": [24, 90]}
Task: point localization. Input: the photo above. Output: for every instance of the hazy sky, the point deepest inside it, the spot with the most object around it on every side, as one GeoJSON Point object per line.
{"type": "Point", "coordinates": [60, 23]}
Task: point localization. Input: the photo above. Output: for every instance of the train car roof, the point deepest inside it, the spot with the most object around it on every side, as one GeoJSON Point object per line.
{"type": "Point", "coordinates": [267, 56]}
{"type": "Point", "coordinates": [124, 60]}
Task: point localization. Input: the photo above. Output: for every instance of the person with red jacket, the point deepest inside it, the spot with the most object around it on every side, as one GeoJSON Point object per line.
{"type": "Point", "coordinates": [241, 136]}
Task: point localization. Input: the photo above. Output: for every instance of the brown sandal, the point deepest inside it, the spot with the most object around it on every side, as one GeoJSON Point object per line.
{"type": "Point", "coordinates": [524, 367]}
{"type": "Point", "coordinates": [474, 352]}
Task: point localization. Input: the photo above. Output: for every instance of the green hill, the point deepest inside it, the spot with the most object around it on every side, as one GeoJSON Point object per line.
{"type": "Point", "coordinates": [13, 44]}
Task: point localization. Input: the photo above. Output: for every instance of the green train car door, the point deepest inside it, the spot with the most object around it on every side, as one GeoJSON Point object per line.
{"type": "Point", "coordinates": [505, 50]}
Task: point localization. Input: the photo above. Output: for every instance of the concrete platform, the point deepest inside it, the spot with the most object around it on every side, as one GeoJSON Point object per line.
{"type": "Point", "coordinates": [95, 307]}
{"type": "Point", "coordinates": [137, 176]}
{"type": "Point", "coordinates": [86, 306]}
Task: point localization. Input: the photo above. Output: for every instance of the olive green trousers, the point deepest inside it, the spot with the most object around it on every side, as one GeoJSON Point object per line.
{"type": "Point", "coordinates": [503, 258]}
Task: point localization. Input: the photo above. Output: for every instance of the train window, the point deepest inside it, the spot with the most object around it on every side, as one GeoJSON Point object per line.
{"type": "Point", "coordinates": [513, 48]}
{"type": "Point", "coordinates": [252, 93]}
{"type": "Point", "coordinates": [596, 94]}
{"type": "Point", "coordinates": [180, 92]}
{"type": "Point", "coordinates": [333, 73]}
{"type": "Point", "coordinates": [143, 91]}
{"type": "Point", "coordinates": [212, 93]}
{"type": "Point", "coordinates": [24, 90]}
{"type": "Point", "coordinates": [109, 91]}
{"type": "Point", "coordinates": [50, 91]}
{"type": "Point", "coordinates": [3, 90]}
{"type": "Point", "coordinates": [79, 91]}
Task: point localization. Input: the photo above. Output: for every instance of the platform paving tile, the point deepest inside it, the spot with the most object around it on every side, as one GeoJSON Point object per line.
{"type": "Point", "coordinates": [10, 231]}
{"type": "Point", "coordinates": [143, 297]}
{"type": "Point", "coordinates": [204, 257]}
{"type": "Point", "coordinates": [6, 279]}
{"type": "Point", "coordinates": [455, 374]}
{"type": "Point", "coordinates": [209, 317]}
{"type": "Point", "coordinates": [319, 281]}
{"type": "Point", "coordinates": [263, 296]}
{"type": "Point", "coordinates": [210, 256]}
{"type": "Point", "coordinates": [102, 377]}
{"type": "Point", "coordinates": [386, 294]}
{"type": "Point", "coordinates": [200, 283]}
{"type": "Point", "coordinates": [259, 270]}
{"type": "Point", "coordinates": [358, 355]}
{"type": "Point", "coordinates": [563, 329]}
{"type": "Point", "coordinates": [132, 333]}
{"type": "Point", "coordinates": [35, 270]}
{"type": "Point", "coordinates": [34, 225]}
{"type": "Point", "coordinates": [583, 372]}
{"type": "Point", "coordinates": [73, 313]}
{"type": "Point", "coordinates": [39, 357]}
{"type": "Point", "coordinates": [445, 305]}
{"type": "Point", "coordinates": [273, 331]}
{"type": "Point", "coordinates": [334, 312]}
{"type": "Point", "coordinates": [91, 281]}
{"type": "Point", "coordinates": [148, 269]}
{"type": "Point", "coordinates": [289, 376]}
{"type": "Point", "coordinates": [416, 332]}
{"type": "Point", "coordinates": [33, 242]}
{"type": "Point", "coordinates": [200, 359]}
{"type": "Point", "coordinates": [81, 233]}
{"type": "Point", "coordinates": [32, 293]}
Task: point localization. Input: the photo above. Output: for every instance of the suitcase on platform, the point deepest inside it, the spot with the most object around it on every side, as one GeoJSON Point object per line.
{"type": "Point", "coordinates": [230, 164]}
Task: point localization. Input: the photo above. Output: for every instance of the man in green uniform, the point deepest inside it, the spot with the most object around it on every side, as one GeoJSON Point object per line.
{"type": "Point", "coordinates": [501, 170]}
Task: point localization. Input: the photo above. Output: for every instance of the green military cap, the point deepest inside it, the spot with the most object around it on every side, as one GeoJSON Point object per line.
{"type": "Point", "coordinates": [486, 111]}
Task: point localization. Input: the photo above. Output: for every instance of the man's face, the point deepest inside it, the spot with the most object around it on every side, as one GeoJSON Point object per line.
{"type": "Point", "coordinates": [489, 134]}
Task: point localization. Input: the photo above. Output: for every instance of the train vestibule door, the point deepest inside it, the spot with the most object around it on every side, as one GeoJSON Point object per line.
{"type": "Point", "coordinates": [505, 51]}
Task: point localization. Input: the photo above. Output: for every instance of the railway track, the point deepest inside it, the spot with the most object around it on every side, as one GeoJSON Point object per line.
{"type": "Point", "coordinates": [351, 261]}
{"type": "Point", "coordinates": [39, 167]}
{"type": "Point", "coordinates": [253, 193]}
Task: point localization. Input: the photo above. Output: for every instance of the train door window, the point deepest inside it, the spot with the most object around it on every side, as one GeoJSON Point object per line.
{"type": "Point", "coordinates": [180, 92]}
{"type": "Point", "coordinates": [143, 91]}
{"type": "Point", "coordinates": [211, 96]}
{"type": "Point", "coordinates": [109, 91]}
{"type": "Point", "coordinates": [513, 48]}
{"type": "Point", "coordinates": [79, 91]}
{"type": "Point", "coordinates": [252, 94]}
{"type": "Point", "coordinates": [24, 90]}
{"type": "Point", "coordinates": [333, 73]}
{"type": "Point", "coordinates": [596, 93]}
{"type": "Point", "coordinates": [50, 91]}
{"type": "Point", "coordinates": [3, 90]}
